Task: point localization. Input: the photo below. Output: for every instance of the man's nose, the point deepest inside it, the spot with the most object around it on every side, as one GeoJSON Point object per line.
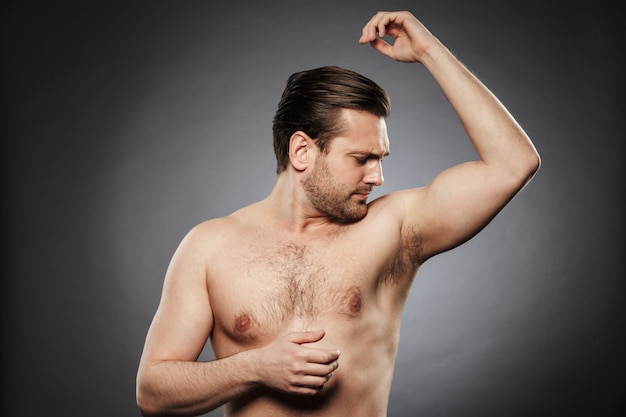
{"type": "Point", "coordinates": [374, 174]}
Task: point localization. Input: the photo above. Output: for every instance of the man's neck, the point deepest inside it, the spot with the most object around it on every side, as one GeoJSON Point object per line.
{"type": "Point", "coordinates": [291, 211]}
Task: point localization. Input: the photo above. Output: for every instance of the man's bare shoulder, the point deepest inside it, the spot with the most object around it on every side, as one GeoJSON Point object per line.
{"type": "Point", "coordinates": [220, 228]}
{"type": "Point", "coordinates": [398, 202]}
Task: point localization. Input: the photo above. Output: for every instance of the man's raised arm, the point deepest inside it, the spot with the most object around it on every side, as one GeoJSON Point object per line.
{"type": "Point", "coordinates": [463, 199]}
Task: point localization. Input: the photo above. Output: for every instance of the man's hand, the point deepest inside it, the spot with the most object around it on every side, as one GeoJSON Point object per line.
{"type": "Point", "coordinates": [411, 38]}
{"type": "Point", "coordinates": [287, 366]}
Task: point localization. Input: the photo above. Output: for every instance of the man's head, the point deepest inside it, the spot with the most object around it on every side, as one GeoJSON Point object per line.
{"type": "Point", "coordinates": [337, 184]}
{"type": "Point", "coordinates": [312, 102]}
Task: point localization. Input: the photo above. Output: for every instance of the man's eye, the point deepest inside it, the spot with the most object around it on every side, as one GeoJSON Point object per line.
{"type": "Point", "coordinates": [361, 160]}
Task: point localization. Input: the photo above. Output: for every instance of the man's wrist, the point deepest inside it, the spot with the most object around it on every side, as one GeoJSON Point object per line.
{"type": "Point", "coordinates": [435, 53]}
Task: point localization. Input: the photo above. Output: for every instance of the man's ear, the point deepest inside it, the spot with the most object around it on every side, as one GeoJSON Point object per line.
{"type": "Point", "coordinates": [300, 147]}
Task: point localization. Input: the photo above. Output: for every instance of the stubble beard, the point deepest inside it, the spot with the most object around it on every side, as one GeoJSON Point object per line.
{"type": "Point", "coordinates": [330, 198]}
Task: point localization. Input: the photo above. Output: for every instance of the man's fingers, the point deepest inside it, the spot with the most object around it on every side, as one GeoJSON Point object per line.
{"type": "Point", "coordinates": [316, 358]}
{"type": "Point", "coordinates": [377, 26]}
{"type": "Point", "coordinates": [322, 370]}
{"type": "Point", "coordinates": [315, 382]}
{"type": "Point", "coordinates": [313, 354]}
{"type": "Point", "coordinates": [382, 46]}
{"type": "Point", "coordinates": [370, 29]}
{"type": "Point", "coordinates": [321, 356]}
{"type": "Point", "coordinates": [381, 25]}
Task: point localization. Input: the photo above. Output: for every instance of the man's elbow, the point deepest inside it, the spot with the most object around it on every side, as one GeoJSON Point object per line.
{"type": "Point", "coordinates": [146, 403]}
{"type": "Point", "coordinates": [526, 168]}
{"type": "Point", "coordinates": [533, 163]}
{"type": "Point", "coordinates": [147, 400]}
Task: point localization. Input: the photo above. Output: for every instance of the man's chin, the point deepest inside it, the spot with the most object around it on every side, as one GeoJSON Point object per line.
{"type": "Point", "coordinates": [358, 213]}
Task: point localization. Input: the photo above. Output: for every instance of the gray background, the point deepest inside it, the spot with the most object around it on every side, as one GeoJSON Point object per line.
{"type": "Point", "coordinates": [125, 124]}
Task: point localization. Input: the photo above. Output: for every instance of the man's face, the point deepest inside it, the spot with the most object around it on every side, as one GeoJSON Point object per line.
{"type": "Point", "coordinates": [340, 182]}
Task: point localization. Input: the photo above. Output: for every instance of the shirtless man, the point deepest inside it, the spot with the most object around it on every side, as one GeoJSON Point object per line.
{"type": "Point", "coordinates": [302, 293]}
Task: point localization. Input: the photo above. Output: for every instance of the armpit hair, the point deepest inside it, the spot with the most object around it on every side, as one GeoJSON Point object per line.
{"type": "Point", "coordinates": [407, 260]}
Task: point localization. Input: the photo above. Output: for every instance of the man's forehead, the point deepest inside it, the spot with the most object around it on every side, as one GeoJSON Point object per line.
{"type": "Point", "coordinates": [364, 132]}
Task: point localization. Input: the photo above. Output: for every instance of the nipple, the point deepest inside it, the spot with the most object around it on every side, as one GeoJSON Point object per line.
{"type": "Point", "coordinates": [243, 323]}
{"type": "Point", "coordinates": [355, 303]}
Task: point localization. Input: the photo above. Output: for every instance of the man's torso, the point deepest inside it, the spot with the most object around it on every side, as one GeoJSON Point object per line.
{"type": "Point", "coordinates": [351, 281]}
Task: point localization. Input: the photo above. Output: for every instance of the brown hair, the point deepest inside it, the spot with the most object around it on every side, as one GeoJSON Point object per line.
{"type": "Point", "coordinates": [312, 102]}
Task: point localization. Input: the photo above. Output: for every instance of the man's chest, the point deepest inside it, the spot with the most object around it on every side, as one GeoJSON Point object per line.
{"type": "Point", "coordinates": [264, 288]}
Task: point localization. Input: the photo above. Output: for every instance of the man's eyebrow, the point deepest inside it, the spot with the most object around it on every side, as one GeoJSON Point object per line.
{"type": "Point", "coordinates": [370, 154]}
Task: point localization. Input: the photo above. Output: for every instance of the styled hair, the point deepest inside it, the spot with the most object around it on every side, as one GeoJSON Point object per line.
{"type": "Point", "coordinates": [312, 102]}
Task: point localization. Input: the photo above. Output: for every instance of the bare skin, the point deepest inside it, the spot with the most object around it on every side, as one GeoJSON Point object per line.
{"type": "Point", "coordinates": [301, 294]}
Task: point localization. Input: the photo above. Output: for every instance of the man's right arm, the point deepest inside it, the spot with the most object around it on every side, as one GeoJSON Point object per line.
{"type": "Point", "coordinates": [170, 380]}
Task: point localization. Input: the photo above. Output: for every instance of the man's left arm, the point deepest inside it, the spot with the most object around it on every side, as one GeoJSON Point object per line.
{"type": "Point", "coordinates": [461, 200]}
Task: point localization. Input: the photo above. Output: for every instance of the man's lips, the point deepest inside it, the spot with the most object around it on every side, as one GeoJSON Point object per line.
{"type": "Point", "coordinates": [362, 194]}
{"type": "Point", "coordinates": [363, 191]}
